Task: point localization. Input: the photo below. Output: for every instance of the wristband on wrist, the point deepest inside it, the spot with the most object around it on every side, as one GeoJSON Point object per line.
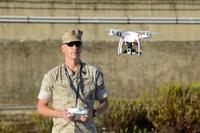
{"type": "Point", "coordinates": [94, 112]}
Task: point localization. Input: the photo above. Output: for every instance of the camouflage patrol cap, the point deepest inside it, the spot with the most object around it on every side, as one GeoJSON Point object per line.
{"type": "Point", "coordinates": [72, 36]}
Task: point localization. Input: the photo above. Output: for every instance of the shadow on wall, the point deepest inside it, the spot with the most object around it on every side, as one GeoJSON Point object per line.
{"type": "Point", "coordinates": [23, 65]}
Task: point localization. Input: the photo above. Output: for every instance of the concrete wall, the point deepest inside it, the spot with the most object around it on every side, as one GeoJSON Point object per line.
{"type": "Point", "coordinates": [94, 32]}
{"type": "Point", "coordinates": [28, 51]}
{"type": "Point", "coordinates": [103, 8]}
{"type": "Point", "coordinates": [137, 8]}
{"type": "Point", "coordinates": [23, 65]}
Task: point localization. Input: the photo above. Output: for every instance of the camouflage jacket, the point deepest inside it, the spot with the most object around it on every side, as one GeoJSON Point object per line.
{"type": "Point", "coordinates": [60, 86]}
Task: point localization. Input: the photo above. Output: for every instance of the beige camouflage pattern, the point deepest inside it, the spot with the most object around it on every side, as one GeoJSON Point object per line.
{"type": "Point", "coordinates": [72, 36]}
{"type": "Point", "coordinates": [56, 87]}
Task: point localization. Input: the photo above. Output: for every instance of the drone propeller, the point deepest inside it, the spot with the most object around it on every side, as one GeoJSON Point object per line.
{"type": "Point", "coordinates": [114, 29]}
{"type": "Point", "coordinates": [154, 33]}
{"type": "Point", "coordinates": [147, 31]}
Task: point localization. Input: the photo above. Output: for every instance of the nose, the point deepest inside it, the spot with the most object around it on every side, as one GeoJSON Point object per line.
{"type": "Point", "coordinates": [75, 47]}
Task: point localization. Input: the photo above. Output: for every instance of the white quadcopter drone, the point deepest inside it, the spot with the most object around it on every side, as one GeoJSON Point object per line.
{"type": "Point", "coordinates": [77, 112]}
{"type": "Point", "coordinates": [129, 42]}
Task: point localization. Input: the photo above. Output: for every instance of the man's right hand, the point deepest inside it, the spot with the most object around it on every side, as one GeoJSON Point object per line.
{"type": "Point", "coordinates": [67, 116]}
{"type": "Point", "coordinates": [45, 110]}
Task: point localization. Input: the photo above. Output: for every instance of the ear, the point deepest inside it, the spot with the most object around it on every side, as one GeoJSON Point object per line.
{"type": "Point", "coordinates": [62, 48]}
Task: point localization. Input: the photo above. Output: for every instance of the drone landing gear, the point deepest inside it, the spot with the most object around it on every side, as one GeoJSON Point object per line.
{"type": "Point", "coordinates": [130, 50]}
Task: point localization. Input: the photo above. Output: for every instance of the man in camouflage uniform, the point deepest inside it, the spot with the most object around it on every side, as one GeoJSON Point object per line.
{"type": "Point", "coordinates": [73, 84]}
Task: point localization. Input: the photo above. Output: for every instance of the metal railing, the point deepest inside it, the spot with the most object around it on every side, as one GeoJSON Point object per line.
{"type": "Point", "coordinates": [17, 107]}
{"type": "Point", "coordinates": [98, 20]}
{"type": "Point", "coordinates": [104, 1]}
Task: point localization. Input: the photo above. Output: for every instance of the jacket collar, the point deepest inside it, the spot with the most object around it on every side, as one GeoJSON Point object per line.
{"type": "Point", "coordinates": [84, 71]}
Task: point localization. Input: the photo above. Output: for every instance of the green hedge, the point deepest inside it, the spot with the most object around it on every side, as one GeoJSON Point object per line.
{"type": "Point", "coordinates": [125, 116]}
{"type": "Point", "coordinates": [173, 108]}
{"type": "Point", "coordinates": [176, 108]}
{"type": "Point", "coordinates": [42, 124]}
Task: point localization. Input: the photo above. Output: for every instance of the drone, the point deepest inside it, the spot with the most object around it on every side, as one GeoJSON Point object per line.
{"type": "Point", "coordinates": [129, 42]}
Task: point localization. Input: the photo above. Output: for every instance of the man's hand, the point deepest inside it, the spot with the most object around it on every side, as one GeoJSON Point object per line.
{"type": "Point", "coordinates": [84, 117]}
{"type": "Point", "coordinates": [67, 116]}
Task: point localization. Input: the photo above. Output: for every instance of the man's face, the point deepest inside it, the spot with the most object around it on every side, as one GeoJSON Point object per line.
{"type": "Point", "coordinates": [72, 50]}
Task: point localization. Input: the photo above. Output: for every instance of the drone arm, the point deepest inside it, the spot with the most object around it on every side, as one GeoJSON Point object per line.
{"type": "Point", "coordinates": [138, 47]}
{"type": "Point", "coordinates": [120, 45]}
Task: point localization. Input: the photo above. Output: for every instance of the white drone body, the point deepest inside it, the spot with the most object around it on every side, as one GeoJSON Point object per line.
{"type": "Point", "coordinates": [77, 111]}
{"type": "Point", "coordinates": [130, 39]}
